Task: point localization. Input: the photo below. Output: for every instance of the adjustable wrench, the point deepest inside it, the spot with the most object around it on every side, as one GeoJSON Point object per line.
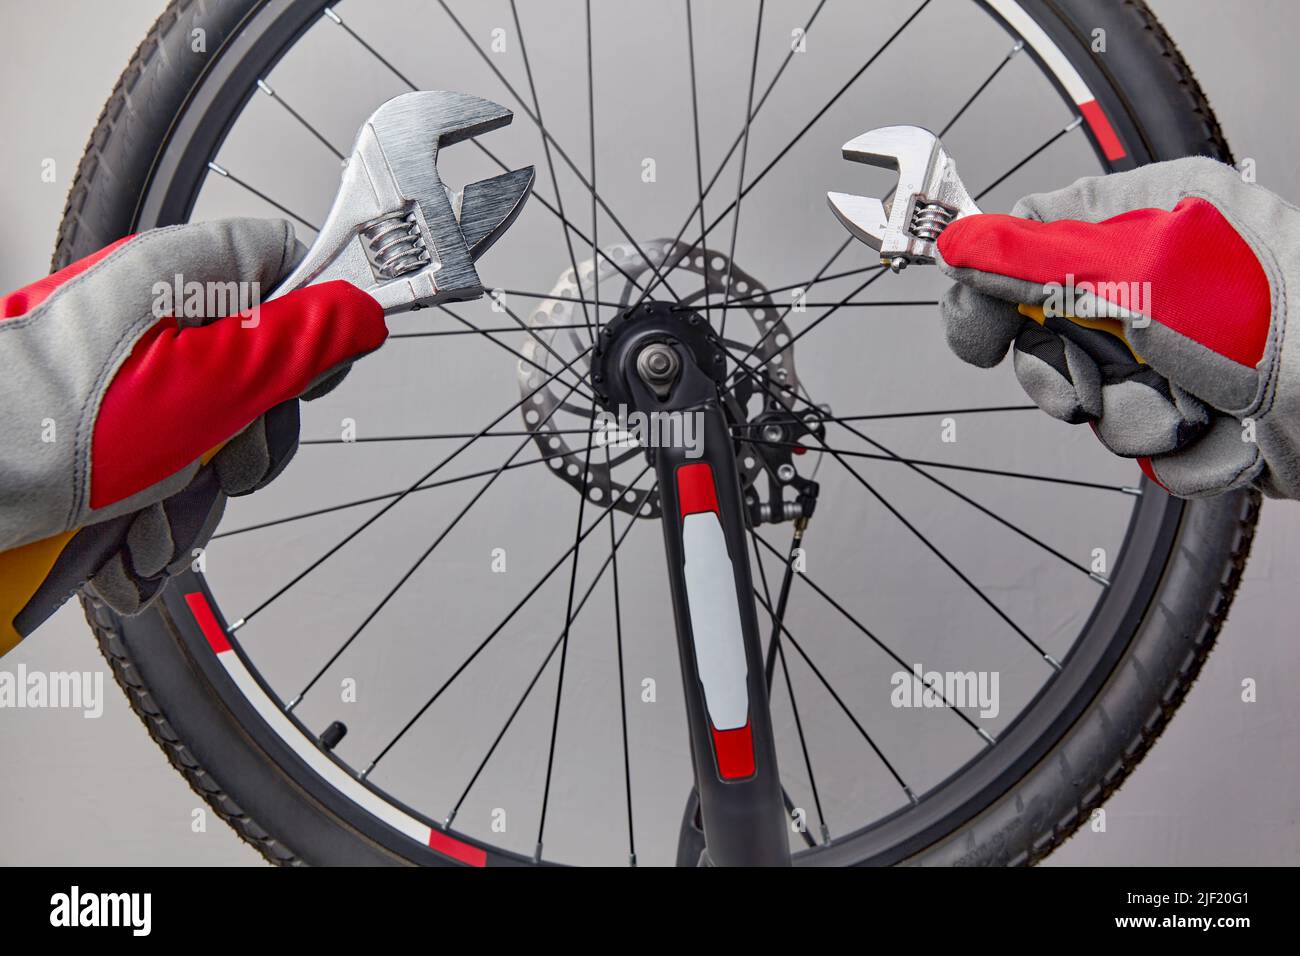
{"type": "Point", "coordinates": [928, 198]}
{"type": "Point", "coordinates": [394, 230]}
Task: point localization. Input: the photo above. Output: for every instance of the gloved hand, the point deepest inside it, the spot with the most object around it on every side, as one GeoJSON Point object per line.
{"type": "Point", "coordinates": [126, 426]}
{"type": "Point", "coordinates": [1206, 263]}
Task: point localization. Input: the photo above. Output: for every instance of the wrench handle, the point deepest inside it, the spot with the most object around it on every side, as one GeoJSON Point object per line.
{"type": "Point", "coordinates": [1072, 327]}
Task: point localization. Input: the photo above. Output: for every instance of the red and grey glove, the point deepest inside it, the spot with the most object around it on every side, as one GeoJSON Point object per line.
{"type": "Point", "coordinates": [1201, 266]}
{"type": "Point", "coordinates": [116, 394]}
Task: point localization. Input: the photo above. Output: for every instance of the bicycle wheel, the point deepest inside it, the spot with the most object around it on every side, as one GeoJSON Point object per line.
{"type": "Point", "coordinates": [343, 695]}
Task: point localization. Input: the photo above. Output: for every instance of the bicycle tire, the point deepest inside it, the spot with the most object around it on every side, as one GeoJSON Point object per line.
{"type": "Point", "coordinates": [259, 791]}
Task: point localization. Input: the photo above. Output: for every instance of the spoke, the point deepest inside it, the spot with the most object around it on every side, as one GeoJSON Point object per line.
{"type": "Point", "coordinates": [477, 330]}
{"type": "Point", "coordinates": [736, 144]}
{"type": "Point", "coordinates": [535, 196]}
{"type": "Point", "coordinates": [1074, 124]}
{"type": "Point", "coordinates": [1020, 45]}
{"type": "Point", "coordinates": [495, 631]}
{"type": "Point", "coordinates": [600, 253]}
{"type": "Point", "coordinates": [392, 504]}
{"type": "Point", "coordinates": [883, 303]}
{"type": "Point", "coordinates": [227, 174]}
{"type": "Point", "coordinates": [780, 319]}
{"type": "Point", "coordinates": [266, 88]}
{"type": "Point", "coordinates": [438, 436]}
{"type": "Point", "coordinates": [866, 632]}
{"type": "Point", "coordinates": [808, 840]}
{"type": "Point", "coordinates": [410, 571]}
{"type": "Point", "coordinates": [591, 143]}
{"type": "Point", "coordinates": [550, 163]}
{"type": "Point", "coordinates": [1010, 525]}
{"type": "Point", "coordinates": [546, 135]}
{"type": "Point", "coordinates": [564, 643]}
{"type": "Point", "coordinates": [807, 283]}
{"type": "Point", "coordinates": [881, 271]}
{"type": "Point", "coordinates": [775, 651]}
{"type": "Point", "coordinates": [394, 494]}
{"type": "Point", "coordinates": [568, 225]}
{"type": "Point", "coordinates": [744, 154]}
{"type": "Point", "coordinates": [622, 677]}
{"type": "Point", "coordinates": [919, 463]}
{"type": "Point", "coordinates": [890, 455]}
{"type": "Point", "coordinates": [609, 469]}
{"type": "Point", "coordinates": [328, 12]}
{"type": "Point", "coordinates": [920, 536]}
{"type": "Point", "coordinates": [915, 466]}
{"type": "Point", "coordinates": [819, 114]}
{"type": "Point", "coordinates": [567, 298]}
{"type": "Point", "coordinates": [699, 166]}
{"type": "Point", "coordinates": [774, 642]}
{"type": "Point", "coordinates": [532, 333]}
{"type": "Point", "coordinates": [937, 411]}
{"type": "Point", "coordinates": [615, 544]}
{"type": "Point", "coordinates": [839, 700]}
{"type": "Point", "coordinates": [822, 112]}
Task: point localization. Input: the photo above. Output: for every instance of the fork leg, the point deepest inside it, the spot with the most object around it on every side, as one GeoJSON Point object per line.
{"type": "Point", "coordinates": [732, 748]}
{"type": "Point", "coordinates": [721, 658]}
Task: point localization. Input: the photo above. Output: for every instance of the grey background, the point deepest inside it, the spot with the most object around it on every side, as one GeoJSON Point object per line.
{"type": "Point", "coordinates": [1220, 787]}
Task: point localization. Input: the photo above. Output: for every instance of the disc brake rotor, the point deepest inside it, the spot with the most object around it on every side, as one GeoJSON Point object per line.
{"type": "Point", "coordinates": [560, 418]}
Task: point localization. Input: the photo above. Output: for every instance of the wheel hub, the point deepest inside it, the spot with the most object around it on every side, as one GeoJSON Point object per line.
{"type": "Point", "coordinates": [559, 417]}
{"type": "Point", "coordinates": [641, 341]}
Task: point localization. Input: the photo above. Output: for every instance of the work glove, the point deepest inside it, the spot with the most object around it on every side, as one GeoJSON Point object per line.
{"type": "Point", "coordinates": [1201, 266]}
{"type": "Point", "coordinates": [140, 390]}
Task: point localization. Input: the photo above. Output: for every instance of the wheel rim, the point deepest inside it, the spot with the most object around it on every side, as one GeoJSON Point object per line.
{"type": "Point", "coordinates": [891, 837]}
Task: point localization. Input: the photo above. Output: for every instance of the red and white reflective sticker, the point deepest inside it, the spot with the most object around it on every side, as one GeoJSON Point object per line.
{"type": "Point", "coordinates": [213, 632]}
{"type": "Point", "coordinates": [735, 752]}
{"type": "Point", "coordinates": [695, 490]}
{"type": "Point", "coordinates": [714, 611]}
{"type": "Point", "coordinates": [457, 849]}
{"type": "Point", "coordinates": [1065, 73]}
{"type": "Point", "coordinates": [1110, 145]}
{"type": "Point", "coordinates": [351, 788]}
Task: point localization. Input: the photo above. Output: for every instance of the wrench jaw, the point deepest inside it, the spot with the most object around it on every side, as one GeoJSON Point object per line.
{"type": "Point", "coordinates": [863, 216]}
{"type": "Point", "coordinates": [489, 207]}
{"type": "Point", "coordinates": [395, 230]}
{"type": "Point", "coordinates": [927, 198]}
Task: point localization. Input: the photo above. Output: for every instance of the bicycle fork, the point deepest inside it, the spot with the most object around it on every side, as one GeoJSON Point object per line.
{"type": "Point", "coordinates": [676, 378]}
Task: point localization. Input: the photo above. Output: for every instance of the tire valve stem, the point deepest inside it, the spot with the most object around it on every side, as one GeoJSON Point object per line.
{"type": "Point", "coordinates": [333, 735]}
